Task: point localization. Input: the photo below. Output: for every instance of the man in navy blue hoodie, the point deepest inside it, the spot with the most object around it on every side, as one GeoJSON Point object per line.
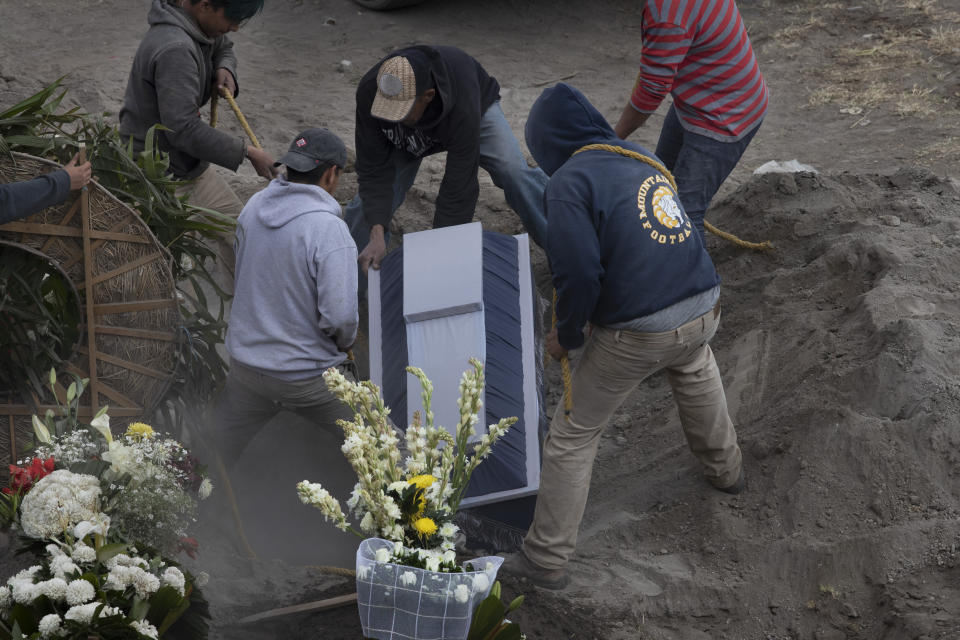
{"type": "Point", "coordinates": [419, 101]}
{"type": "Point", "coordinates": [626, 259]}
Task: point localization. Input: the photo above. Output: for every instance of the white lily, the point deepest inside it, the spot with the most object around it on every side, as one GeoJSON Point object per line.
{"type": "Point", "coordinates": [40, 430]}
{"type": "Point", "coordinates": [102, 424]}
{"type": "Point", "coordinates": [99, 524]}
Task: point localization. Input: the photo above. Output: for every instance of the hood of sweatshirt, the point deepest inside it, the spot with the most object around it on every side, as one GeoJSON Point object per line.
{"type": "Point", "coordinates": [283, 201]}
{"type": "Point", "coordinates": [561, 121]}
{"type": "Point", "coordinates": [163, 12]}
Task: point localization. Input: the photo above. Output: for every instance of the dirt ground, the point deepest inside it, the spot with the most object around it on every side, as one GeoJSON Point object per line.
{"type": "Point", "coordinates": [840, 349]}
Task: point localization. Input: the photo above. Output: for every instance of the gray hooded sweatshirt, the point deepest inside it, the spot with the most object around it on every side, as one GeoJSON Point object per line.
{"type": "Point", "coordinates": [295, 301]}
{"type": "Point", "coordinates": [171, 78]}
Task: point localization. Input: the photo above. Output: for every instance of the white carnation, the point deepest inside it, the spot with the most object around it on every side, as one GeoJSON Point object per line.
{"type": "Point", "coordinates": [481, 582]}
{"type": "Point", "coordinates": [144, 583]}
{"type": "Point", "coordinates": [57, 502]}
{"type": "Point", "coordinates": [144, 628]}
{"type": "Point", "coordinates": [63, 566]}
{"type": "Point", "coordinates": [55, 588]}
{"type": "Point", "coordinates": [49, 626]}
{"type": "Point", "coordinates": [173, 577]}
{"type": "Point", "coordinates": [84, 554]}
{"type": "Point", "coordinates": [23, 591]}
{"type": "Point", "coordinates": [79, 592]}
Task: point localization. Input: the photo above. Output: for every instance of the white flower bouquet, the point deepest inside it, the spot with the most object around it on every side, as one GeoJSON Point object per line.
{"type": "Point", "coordinates": [406, 503]}
{"type": "Point", "coordinates": [148, 485]}
{"type": "Point", "coordinates": [83, 590]}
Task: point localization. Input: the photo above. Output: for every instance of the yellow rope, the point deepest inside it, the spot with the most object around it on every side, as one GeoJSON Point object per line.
{"type": "Point", "coordinates": [757, 246]}
{"type": "Point", "coordinates": [243, 121]}
{"type": "Point", "coordinates": [213, 111]}
{"type": "Point", "coordinates": [564, 368]}
{"type": "Point", "coordinates": [335, 571]}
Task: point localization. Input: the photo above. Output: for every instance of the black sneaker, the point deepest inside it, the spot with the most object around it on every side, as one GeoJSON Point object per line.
{"type": "Point", "coordinates": [519, 566]}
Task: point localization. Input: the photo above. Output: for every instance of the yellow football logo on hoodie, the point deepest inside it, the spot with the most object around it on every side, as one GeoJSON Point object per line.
{"type": "Point", "coordinates": [668, 224]}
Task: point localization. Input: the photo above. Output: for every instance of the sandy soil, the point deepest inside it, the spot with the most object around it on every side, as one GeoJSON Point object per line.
{"type": "Point", "coordinates": [840, 349]}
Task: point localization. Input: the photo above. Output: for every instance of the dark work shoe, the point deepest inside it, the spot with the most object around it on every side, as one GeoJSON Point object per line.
{"type": "Point", "coordinates": [519, 566]}
{"type": "Point", "coordinates": [738, 486]}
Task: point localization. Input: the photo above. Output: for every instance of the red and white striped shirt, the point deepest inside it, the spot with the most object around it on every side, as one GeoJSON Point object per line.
{"type": "Point", "coordinates": [698, 51]}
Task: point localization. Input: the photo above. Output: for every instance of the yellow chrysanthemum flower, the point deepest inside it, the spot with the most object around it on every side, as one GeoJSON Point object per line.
{"type": "Point", "coordinates": [140, 431]}
{"type": "Point", "coordinates": [425, 526]}
{"type": "Point", "coordinates": [422, 481]}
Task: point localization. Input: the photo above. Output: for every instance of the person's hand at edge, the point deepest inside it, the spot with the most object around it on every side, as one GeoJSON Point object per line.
{"type": "Point", "coordinates": [224, 78]}
{"type": "Point", "coordinates": [262, 162]}
{"type": "Point", "coordinates": [553, 346]}
{"type": "Point", "coordinates": [80, 174]}
{"type": "Point", "coordinates": [376, 248]}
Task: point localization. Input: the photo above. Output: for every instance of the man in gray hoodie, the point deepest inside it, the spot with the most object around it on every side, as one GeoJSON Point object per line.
{"type": "Point", "coordinates": [295, 307]}
{"type": "Point", "coordinates": [185, 57]}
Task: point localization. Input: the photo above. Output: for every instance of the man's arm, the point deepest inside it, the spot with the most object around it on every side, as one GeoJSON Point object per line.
{"type": "Point", "coordinates": [21, 199]}
{"type": "Point", "coordinates": [337, 294]}
{"type": "Point", "coordinates": [375, 175]}
{"type": "Point", "coordinates": [225, 62]}
{"type": "Point", "coordinates": [460, 187]}
{"type": "Point", "coordinates": [665, 45]}
{"type": "Point", "coordinates": [573, 248]}
{"type": "Point", "coordinates": [179, 95]}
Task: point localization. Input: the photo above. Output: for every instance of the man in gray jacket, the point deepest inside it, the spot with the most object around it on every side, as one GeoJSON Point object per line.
{"type": "Point", "coordinates": [295, 308]}
{"type": "Point", "coordinates": [185, 57]}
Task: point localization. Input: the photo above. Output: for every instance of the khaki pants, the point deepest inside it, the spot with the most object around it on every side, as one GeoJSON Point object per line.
{"type": "Point", "coordinates": [210, 191]}
{"type": "Point", "coordinates": [612, 365]}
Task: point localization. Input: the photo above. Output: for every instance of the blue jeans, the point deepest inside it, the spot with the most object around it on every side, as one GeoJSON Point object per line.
{"type": "Point", "coordinates": [698, 163]}
{"type": "Point", "coordinates": [500, 156]}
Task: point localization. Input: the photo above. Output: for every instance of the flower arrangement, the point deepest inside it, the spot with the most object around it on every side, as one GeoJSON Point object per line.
{"type": "Point", "coordinates": [408, 500]}
{"type": "Point", "coordinates": [85, 503]}
{"type": "Point", "coordinates": [148, 484]}
{"type": "Point", "coordinates": [85, 588]}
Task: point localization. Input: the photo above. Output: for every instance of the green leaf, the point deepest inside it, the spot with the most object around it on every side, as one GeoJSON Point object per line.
{"type": "Point", "coordinates": [515, 603]}
{"type": "Point", "coordinates": [486, 617]}
{"type": "Point", "coordinates": [107, 551]}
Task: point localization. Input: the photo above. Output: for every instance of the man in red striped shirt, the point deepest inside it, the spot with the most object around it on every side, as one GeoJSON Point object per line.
{"type": "Point", "coordinates": [698, 52]}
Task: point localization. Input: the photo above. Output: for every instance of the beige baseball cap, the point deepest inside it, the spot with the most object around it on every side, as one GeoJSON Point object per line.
{"type": "Point", "coordinates": [396, 90]}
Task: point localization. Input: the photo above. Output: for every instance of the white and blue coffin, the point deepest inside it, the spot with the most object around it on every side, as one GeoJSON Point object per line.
{"type": "Point", "coordinates": [448, 295]}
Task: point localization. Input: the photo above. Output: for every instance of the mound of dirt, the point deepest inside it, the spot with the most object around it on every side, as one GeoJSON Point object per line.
{"type": "Point", "coordinates": [840, 353]}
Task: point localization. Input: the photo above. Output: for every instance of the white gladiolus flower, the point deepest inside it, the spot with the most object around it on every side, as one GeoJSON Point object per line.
{"type": "Point", "coordinates": [408, 578]}
{"type": "Point", "coordinates": [366, 524]}
{"type": "Point", "coordinates": [144, 628]}
{"type": "Point", "coordinates": [382, 555]}
{"type": "Point", "coordinates": [206, 488]}
{"type": "Point", "coordinates": [481, 582]}
{"type": "Point", "coordinates": [461, 593]}
{"type": "Point", "coordinates": [49, 626]}
{"type": "Point", "coordinates": [79, 592]}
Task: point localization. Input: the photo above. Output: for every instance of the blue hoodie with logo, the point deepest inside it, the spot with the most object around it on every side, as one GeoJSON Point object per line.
{"type": "Point", "coordinates": [619, 243]}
